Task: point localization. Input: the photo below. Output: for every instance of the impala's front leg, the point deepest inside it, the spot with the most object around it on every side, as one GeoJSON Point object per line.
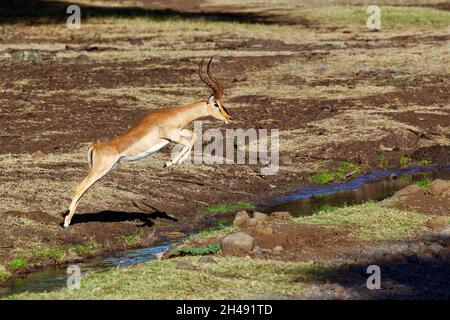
{"type": "Point", "coordinates": [179, 137]}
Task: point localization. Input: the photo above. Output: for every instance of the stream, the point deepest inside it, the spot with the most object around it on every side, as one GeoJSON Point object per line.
{"type": "Point", "coordinates": [376, 186]}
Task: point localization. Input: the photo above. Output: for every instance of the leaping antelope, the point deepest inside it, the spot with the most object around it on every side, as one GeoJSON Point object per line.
{"type": "Point", "coordinates": [151, 134]}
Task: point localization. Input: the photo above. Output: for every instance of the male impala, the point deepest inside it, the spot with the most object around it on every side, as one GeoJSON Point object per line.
{"type": "Point", "coordinates": [149, 135]}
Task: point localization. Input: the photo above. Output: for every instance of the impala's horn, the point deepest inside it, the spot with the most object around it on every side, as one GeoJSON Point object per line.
{"type": "Point", "coordinates": [211, 82]}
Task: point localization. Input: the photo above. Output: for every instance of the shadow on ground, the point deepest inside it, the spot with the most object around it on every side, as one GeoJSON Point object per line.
{"type": "Point", "coordinates": [121, 216]}
{"type": "Point", "coordinates": [53, 11]}
{"type": "Point", "coordinates": [405, 277]}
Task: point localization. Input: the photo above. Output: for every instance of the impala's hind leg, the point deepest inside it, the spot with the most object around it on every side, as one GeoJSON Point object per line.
{"type": "Point", "coordinates": [100, 167]}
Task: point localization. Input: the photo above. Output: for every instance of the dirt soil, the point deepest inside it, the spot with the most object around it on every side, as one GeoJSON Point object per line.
{"type": "Point", "coordinates": [84, 88]}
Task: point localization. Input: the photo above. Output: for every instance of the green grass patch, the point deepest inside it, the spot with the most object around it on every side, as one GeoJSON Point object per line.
{"type": "Point", "coordinates": [381, 161]}
{"type": "Point", "coordinates": [132, 239]}
{"type": "Point", "coordinates": [18, 263]}
{"type": "Point", "coordinates": [328, 208]}
{"type": "Point", "coordinates": [91, 247]}
{"type": "Point", "coordinates": [195, 251]}
{"type": "Point", "coordinates": [391, 17]}
{"type": "Point", "coordinates": [424, 183]}
{"type": "Point", "coordinates": [230, 207]}
{"type": "Point", "coordinates": [44, 252]}
{"type": "Point", "coordinates": [425, 162]}
{"type": "Point", "coordinates": [323, 177]}
{"type": "Point", "coordinates": [371, 221]}
{"type": "Point", "coordinates": [405, 160]}
{"type": "Point", "coordinates": [343, 170]}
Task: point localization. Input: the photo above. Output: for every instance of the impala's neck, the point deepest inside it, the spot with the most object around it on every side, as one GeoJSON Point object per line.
{"type": "Point", "coordinates": [194, 111]}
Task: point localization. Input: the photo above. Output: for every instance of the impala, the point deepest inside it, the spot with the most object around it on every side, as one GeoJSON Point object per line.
{"type": "Point", "coordinates": [151, 134]}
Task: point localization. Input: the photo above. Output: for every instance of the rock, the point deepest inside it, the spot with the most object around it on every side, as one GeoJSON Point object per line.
{"type": "Point", "coordinates": [264, 230]}
{"type": "Point", "coordinates": [257, 251]}
{"type": "Point", "coordinates": [252, 222]}
{"type": "Point", "coordinates": [239, 241]}
{"type": "Point", "coordinates": [446, 231]}
{"type": "Point", "coordinates": [259, 216]}
{"type": "Point", "coordinates": [278, 249]}
{"type": "Point", "coordinates": [242, 219]}
{"type": "Point", "coordinates": [207, 259]}
{"type": "Point", "coordinates": [439, 187]}
{"type": "Point", "coordinates": [409, 190]}
{"type": "Point", "coordinates": [183, 265]}
{"type": "Point", "coordinates": [38, 154]}
{"type": "Point", "coordinates": [71, 255]}
{"type": "Point", "coordinates": [436, 223]}
{"type": "Point", "coordinates": [282, 215]}
{"type": "Point", "coordinates": [435, 247]}
{"type": "Point", "coordinates": [82, 58]}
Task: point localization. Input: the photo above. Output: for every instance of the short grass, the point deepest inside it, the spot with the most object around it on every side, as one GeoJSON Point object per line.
{"type": "Point", "coordinates": [405, 160]}
{"type": "Point", "coordinates": [18, 263]}
{"type": "Point", "coordinates": [89, 248]}
{"type": "Point", "coordinates": [195, 251]}
{"type": "Point", "coordinates": [132, 239]}
{"type": "Point", "coordinates": [227, 207]}
{"type": "Point", "coordinates": [4, 273]}
{"type": "Point", "coordinates": [391, 17]}
{"type": "Point", "coordinates": [218, 231]}
{"type": "Point", "coordinates": [424, 183]}
{"type": "Point", "coordinates": [229, 278]}
{"type": "Point", "coordinates": [370, 221]}
{"type": "Point", "coordinates": [45, 252]}
{"type": "Point", "coordinates": [343, 170]}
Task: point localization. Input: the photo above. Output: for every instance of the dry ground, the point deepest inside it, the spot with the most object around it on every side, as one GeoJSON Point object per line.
{"type": "Point", "coordinates": [336, 91]}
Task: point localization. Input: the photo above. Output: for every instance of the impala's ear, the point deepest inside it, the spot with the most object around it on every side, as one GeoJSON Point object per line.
{"type": "Point", "coordinates": [211, 99]}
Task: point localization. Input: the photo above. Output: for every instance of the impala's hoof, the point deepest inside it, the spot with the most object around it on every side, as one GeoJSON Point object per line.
{"type": "Point", "coordinates": [167, 164]}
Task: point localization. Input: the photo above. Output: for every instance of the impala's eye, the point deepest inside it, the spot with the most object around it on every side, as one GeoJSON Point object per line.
{"type": "Point", "coordinates": [216, 105]}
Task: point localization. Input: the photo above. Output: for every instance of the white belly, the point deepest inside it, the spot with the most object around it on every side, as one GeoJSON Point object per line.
{"type": "Point", "coordinates": [147, 153]}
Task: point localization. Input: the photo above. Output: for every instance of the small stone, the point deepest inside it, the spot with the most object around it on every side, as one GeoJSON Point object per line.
{"type": "Point", "coordinates": [278, 249]}
{"type": "Point", "coordinates": [242, 219]}
{"type": "Point", "coordinates": [282, 215]}
{"type": "Point", "coordinates": [257, 250]}
{"type": "Point", "coordinates": [435, 247]}
{"type": "Point", "coordinates": [82, 58]}
{"type": "Point", "coordinates": [38, 154]}
{"type": "Point", "coordinates": [436, 223]}
{"type": "Point", "coordinates": [439, 187]}
{"type": "Point", "coordinates": [183, 265]}
{"type": "Point", "coordinates": [239, 241]}
{"type": "Point", "coordinates": [259, 216]}
{"type": "Point", "coordinates": [71, 255]}
{"type": "Point", "coordinates": [264, 230]}
{"type": "Point", "coordinates": [207, 259]}
{"type": "Point", "coordinates": [409, 190]}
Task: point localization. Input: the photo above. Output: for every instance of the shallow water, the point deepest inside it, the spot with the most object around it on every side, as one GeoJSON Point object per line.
{"type": "Point", "coordinates": [376, 186]}
{"type": "Point", "coordinates": [306, 200]}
